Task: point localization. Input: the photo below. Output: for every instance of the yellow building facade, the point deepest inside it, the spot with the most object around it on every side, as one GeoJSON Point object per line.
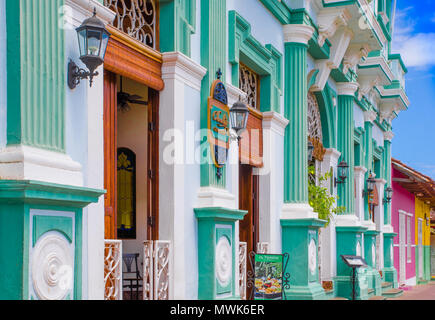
{"type": "Point", "coordinates": [422, 240]}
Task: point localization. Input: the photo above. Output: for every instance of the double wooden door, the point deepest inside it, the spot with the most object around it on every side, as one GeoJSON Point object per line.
{"type": "Point", "coordinates": [110, 159]}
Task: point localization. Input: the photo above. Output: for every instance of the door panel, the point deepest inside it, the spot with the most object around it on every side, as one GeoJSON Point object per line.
{"type": "Point", "coordinates": [153, 166]}
{"type": "Point", "coordinates": [110, 155]}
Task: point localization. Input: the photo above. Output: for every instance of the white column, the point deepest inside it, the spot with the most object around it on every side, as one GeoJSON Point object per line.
{"type": "Point", "coordinates": [359, 187]}
{"type": "Point", "coordinates": [379, 220]}
{"type": "Point", "coordinates": [271, 180]}
{"type": "Point", "coordinates": [328, 235]}
{"type": "Point", "coordinates": [180, 74]}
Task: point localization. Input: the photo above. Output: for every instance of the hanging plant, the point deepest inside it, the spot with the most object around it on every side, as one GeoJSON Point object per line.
{"type": "Point", "coordinates": [319, 197]}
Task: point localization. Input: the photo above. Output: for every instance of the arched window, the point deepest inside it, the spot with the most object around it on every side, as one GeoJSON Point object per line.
{"type": "Point", "coordinates": [126, 194]}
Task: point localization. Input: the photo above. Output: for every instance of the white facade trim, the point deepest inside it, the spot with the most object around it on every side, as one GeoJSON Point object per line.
{"type": "Point", "coordinates": [29, 163]}
{"type": "Point", "coordinates": [275, 122]}
{"type": "Point", "coordinates": [359, 186]}
{"type": "Point", "coordinates": [83, 8]}
{"type": "Point", "coordinates": [178, 66]}
{"type": "Point", "coordinates": [296, 211]}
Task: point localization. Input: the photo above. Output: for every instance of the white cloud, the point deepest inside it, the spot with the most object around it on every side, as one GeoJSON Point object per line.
{"type": "Point", "coordinates": [417, 49]}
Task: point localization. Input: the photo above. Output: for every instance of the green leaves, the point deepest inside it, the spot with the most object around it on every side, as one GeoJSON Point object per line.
{"type": "Point", "coordinates": [319, 197]}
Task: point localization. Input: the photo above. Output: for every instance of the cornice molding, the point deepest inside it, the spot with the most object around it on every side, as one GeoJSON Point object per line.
{"type": "Point", "coordinates": [178, 66]}
{"type": "Point", "coordinates": [275, 122]}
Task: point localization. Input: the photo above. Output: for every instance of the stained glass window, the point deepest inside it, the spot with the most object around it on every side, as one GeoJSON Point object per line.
{"type": "Point", "coordinates": [126, 194]}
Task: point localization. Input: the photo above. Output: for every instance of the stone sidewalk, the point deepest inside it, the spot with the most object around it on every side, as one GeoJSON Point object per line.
{"type": "Point", "coordinates": [420, 292]}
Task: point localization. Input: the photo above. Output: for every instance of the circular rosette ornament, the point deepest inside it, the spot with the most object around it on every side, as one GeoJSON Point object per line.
{"type": "Point", "coordinates": [223, 261]}
{"type": "Point", "coordinates": [52, 267]}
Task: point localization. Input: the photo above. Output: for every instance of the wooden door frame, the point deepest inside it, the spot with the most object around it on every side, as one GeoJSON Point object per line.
{"type": "Point", "coordinates": [153, 166]}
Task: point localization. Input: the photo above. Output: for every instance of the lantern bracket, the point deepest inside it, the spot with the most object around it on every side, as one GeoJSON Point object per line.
{"type": "Point", "coordinates": [76, 74]}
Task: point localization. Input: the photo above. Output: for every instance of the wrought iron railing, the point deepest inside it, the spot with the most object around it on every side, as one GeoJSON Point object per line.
{"type": "Point", "coordinates": [137, 18]}
{"type": "Point", "coordinates": [156, 268]}
{"type": "Point", "coordinates": [113, 269]}
{"type": "Point", "coordinates": [243, 248]}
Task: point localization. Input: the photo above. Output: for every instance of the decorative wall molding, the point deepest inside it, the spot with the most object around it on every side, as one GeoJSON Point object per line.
{"type": "Point", "coordinates": [296, 211]}
{"type": "Point", "coordinates": [86, 8]}
{"type": "Point", "coordinates": [178, 66]}
{"type": "Point", "coordinates": [275, 121]}
{"type": "Point", "coordinates": [329, 20]}
{"type": "Point", "coordinates": [297, 33]}
{"type": "Point", "coordinates": [29, 163]}
{"type": "Point", "coordinates": [370, 116]}
{"type": "Point", "coordinates": [388, 135]}
{"type": "Point", "coordinates": [215, 197]}
{"type": "Point", "coordinates": [353, 56]}
{"type": "Point", "coordinates": [347, 88]}
{"type": "Point", "coordinates": [340, 42]}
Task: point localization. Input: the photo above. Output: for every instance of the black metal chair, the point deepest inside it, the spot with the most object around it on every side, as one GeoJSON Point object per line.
{"type": "Point", "coordinates": [132, 277]}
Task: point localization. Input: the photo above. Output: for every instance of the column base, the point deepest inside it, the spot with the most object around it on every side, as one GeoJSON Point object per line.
{"type": "Point", "coordinates": [300, 241]}
{"type": "Point", "coordinates": [313, 291]}
{"type": "Point", "coordinates": [344, 286]}
{"type": "Point", "coordinates": [390, 275]}
{"type": "Point", "coordinates": [374, 281]}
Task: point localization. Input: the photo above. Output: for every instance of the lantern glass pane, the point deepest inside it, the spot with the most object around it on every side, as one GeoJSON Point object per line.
{"type": "Point", "coordinates": [240, 120]}
{"type": "Point", "coordinates": [82, 42]}
{"type": "Point", "coordinates": [104, 45]}
{"type": "Point", "coordinates": [94, 42]}
{"type": "Point", "coordinates": [245, 119]}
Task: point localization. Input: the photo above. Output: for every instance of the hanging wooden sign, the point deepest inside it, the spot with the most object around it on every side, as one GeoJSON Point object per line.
{"type": "Point", "coordinates": [218, 123]}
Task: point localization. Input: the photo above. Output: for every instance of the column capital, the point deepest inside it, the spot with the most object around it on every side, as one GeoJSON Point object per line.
{"type": "Point", "coordinates": [370, 116]}
{"type": "Point", "coordinates": [297, 33]}
{"type": "Point", "coordinates": [347, 88]}
{"type": "Point", "coordinates": [388, 135]}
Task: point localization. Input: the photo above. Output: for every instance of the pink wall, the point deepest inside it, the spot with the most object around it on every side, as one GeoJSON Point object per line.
{"type": "Point", "coordinates": [403, 200]}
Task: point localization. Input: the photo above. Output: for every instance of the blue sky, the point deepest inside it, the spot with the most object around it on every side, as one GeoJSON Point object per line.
{"type": "Point", "coordinates": [414, 39]}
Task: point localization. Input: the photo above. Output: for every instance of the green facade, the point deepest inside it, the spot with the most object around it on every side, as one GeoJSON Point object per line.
{"type": "Point", "coordinates": [36, 74]}
{"type": "Point", "coordinates": [37, 208]}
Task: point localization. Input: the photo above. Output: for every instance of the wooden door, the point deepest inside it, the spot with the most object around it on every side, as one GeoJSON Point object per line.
{"type": "Point", "coordinates": [153, 166]}
{"type": "Point", "coordinates": [248, 200]}
{"type": "Point", "coordinates": [110, 154]}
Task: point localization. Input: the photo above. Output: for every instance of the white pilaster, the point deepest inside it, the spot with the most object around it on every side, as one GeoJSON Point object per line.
{"type": "Point", "coordinates": [271, 179]}
{"type": "Point", "coordinates": [379, 220]}
{"type": "Point", "coordinates": [178, 72]}
{"type": "Point", "coordinates": [359, 187]}
{"type": "Point", "coordinates": [328, 237]}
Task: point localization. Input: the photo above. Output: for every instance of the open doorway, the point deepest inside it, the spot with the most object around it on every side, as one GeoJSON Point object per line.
{"type": "Point", "coordinates": [131, 153]}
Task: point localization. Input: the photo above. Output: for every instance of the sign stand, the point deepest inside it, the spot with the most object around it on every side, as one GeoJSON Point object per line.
{"type": "Point", "coordinates": [270, 268]}
{"type": "Point", "coordinates": [354, 262]}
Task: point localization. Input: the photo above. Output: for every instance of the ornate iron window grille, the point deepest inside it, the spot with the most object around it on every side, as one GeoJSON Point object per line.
{"type": "Point", "coordinates": [137, 18]}
{"type": "Point", "coordinates": [249, 82]}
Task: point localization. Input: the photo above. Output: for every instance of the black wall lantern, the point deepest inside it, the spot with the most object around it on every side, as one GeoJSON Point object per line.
{"type": "Point", "coordinates": [93, 39]}
{"type": "Point", "coordinates": [239, 115]}
{"type": "Point", "coordinates": [342, 172]}
{"type": "Point", "coordinates": [388, 195]}
{"type": "Point", "coordinates": [371, 182]}
{"type": "Point", "coordinates": [310, 151]}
